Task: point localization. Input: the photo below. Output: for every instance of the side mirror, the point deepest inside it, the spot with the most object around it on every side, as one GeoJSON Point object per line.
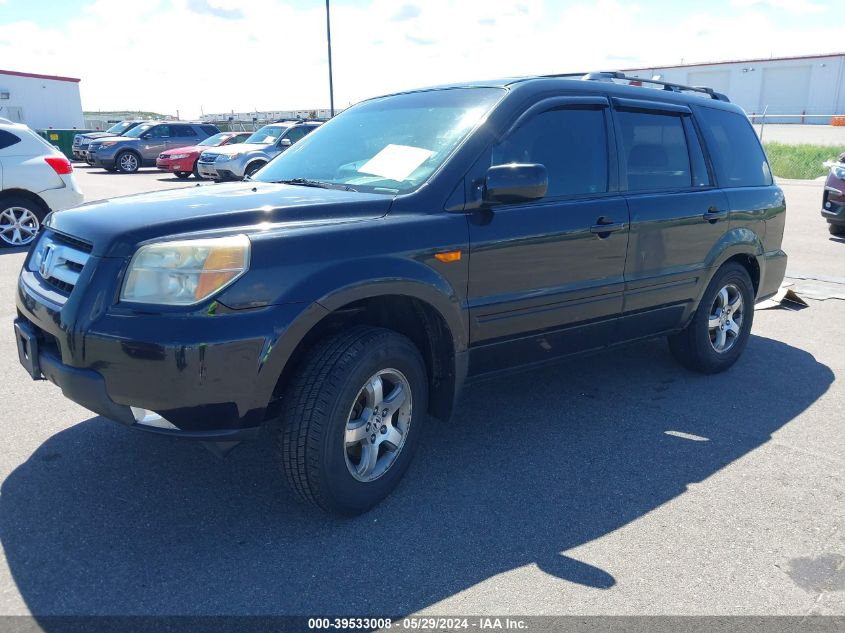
{"type": "Point", "coordinates": [516, 182]}
{"type": "Point", "coordinates": [145, 136]}
{"type": "Point", "coordinates": [285, 142]}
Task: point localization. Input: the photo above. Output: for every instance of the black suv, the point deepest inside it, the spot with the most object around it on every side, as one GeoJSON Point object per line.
{"type": "Point", "coordinates": [413, 242]}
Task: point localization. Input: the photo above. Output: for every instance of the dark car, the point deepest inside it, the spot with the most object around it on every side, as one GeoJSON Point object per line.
{"type": "Point", "coordinates": [414, 242]}
{"type": "Point", "coordinates": [833, 198]}
{"type": "Point", "coordinates": [141, 146]}
{"type": "Point", "coordinates": [81, 141]}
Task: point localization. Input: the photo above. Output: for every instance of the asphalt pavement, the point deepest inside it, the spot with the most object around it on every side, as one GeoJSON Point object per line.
{"type": "Point", "coordinates": [613, 484]}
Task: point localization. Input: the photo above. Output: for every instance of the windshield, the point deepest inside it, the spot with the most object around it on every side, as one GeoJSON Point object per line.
{"type": "Point", "coordinates": [267, 134]}
{"type": "Point", "coordinates": [387, 145]}
{"type": "Point", "coordinates": [119, 128]}
{"type": "Point", "coordinates": [135, 132]}
{"type": "Point", "coordinates": [215, 140]}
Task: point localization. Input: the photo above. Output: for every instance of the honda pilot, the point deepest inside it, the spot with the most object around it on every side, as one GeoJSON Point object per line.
{"type": "Point", "coordinates": [344, 296]}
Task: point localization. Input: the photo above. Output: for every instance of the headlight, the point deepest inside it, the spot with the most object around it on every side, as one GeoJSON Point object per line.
{"type": "Point", "coordinates": [177, 156]}
{"type": "Point", "coordinates": [185, 272]}
{"type": "Point", "coordinates": [224, 157]}
{"type": "Point", "coordinates": [107, 143]}
{"type": "Point", "coordinates": [838, 170]}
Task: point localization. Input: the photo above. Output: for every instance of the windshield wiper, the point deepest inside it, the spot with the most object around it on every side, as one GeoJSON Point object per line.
{"type": "Point", "coordinates": [305, 182]}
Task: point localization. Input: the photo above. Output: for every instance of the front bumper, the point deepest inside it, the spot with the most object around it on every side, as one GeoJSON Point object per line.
{"type": "Point", "coordinates": [183, 165]}
{"type": "Point", "coordinates": [99, 159]}
{"type": "Point", "coordinates": [80, 152]}
{"type": "Point", "coordinates": [833, 201]}
{"type": "Point", "coordinates": [88, 388]}
{"type": "Point", "coordinates": [199, 371]}
{"type": "Point", "coordinates": [222, 170]}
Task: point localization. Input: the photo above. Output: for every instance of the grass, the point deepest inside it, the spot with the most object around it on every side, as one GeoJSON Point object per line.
{"type": "Point", "coordinates": [801, 161]}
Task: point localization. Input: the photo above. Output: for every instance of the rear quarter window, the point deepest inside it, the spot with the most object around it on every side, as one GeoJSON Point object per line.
{"type": "Point", "coordinates": [7, 139]}
{"type": "Point", "coordinates": [735, 150]}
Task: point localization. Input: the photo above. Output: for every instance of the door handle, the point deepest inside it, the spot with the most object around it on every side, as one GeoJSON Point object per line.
{"type": "Point", "coordinates": [713, 214]}
{"type": "Point", "coordinates": [605, 226]}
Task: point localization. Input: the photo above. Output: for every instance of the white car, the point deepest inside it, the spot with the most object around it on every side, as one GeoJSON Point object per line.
{"type": "Point", "coordinates": [35, 178]}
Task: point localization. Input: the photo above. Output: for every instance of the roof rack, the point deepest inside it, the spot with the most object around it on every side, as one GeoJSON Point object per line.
{"type": "Point", "coordinates": [610, 76]}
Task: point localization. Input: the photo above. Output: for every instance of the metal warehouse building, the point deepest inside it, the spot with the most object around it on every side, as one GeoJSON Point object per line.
{"type": "Point", "coordinates": [808, 85]}
{"type": "Point", "coordinates": [40, 101]}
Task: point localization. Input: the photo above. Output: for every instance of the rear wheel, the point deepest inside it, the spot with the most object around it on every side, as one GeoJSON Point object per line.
{"type": "Point", "coordinates": [836, 229]}
{"type": "Point", "coordinates": [127, 162]}
{"type": "Point", "coordinates": [20, 221]}
{"type": "Point", "coordinates": [351, 419]}
{"type": "Point", "coordinates": [719, 330]}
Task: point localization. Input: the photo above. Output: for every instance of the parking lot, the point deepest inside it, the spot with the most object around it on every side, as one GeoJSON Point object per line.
{"type": "Point", "coordinates": [611, 484]}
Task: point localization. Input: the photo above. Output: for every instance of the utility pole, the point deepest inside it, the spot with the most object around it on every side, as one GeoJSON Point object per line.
{"type": "Point", "coordinates": [329, 41]}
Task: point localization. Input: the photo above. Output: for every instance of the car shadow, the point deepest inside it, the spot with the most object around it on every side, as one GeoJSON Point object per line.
{"type": "Point", "coordinates": [12, 250]}
{"type": "Point", "coordinates": [104, 520]}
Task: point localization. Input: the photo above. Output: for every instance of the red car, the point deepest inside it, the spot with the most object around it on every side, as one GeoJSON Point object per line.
{"type": "Point", "coordinates": [182, 161]}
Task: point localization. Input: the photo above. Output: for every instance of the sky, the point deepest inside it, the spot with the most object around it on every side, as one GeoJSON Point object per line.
{"type": "Point", "coordinates": [214, 56]}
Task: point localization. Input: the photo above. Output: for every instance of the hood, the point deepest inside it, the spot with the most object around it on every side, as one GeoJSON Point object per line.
{"type": "Point", "coordinates": [115, 227]}
{"type": "Point", "coordinates": [239, 148]}
{"type": "Point", "coordinates": [187, 150]}
{"type": "Point", "coordinates": [110, 138]}
{"type": "Point", "coordinates": [93, 135]}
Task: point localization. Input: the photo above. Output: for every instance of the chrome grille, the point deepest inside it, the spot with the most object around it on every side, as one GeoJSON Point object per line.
{"type": "Point", "coordinates": [58, 260]}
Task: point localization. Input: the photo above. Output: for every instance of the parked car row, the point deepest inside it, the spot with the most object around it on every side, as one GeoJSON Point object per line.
{"type": "Point", "coordinates": [36, 179]}
{"type": "Point", "coordinates": [186, 148]}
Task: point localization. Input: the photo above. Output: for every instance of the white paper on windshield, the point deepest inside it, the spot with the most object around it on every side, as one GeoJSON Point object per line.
{"type": "Point", "coordinates": [395, 162]}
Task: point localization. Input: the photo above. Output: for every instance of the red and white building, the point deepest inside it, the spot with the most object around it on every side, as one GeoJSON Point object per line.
{"type": "Point", "coordinates": [40, 101]}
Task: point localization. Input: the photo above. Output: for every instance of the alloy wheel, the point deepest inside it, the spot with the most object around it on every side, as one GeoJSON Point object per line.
{"type": "Point", "coordinates": [377, 425]}
{"type": "Point", "coordinates": [128, 162]}
{"type": "Point", "coordinates": [726, 316]}
{"type": "Point", "coordinates": [18, 226]}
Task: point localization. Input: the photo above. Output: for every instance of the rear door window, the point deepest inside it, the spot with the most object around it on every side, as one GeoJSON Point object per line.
{"type": "Point", "coordinates": [655, 151]}
{"type": "Point", "coordinates": [737, 156]}
{"type": "Point", "coordinates": [182, 130]}
{"type": "Point", "coordinates": [571, 143]}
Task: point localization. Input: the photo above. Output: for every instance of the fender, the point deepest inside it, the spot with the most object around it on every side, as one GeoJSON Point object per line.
{"type": "Point", "coordinates": [737, 241]}
{"type": "Point", "coordinates": [339, 285]}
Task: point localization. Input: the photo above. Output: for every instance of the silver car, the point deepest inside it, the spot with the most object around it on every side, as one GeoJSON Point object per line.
{"type": "Point", "coordinates": [237, 161]}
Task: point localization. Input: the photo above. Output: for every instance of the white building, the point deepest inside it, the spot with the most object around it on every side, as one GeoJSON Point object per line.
{"type": "Point", "coordinates": [40, 101]}
{"type": "Point", "coordinates": [800, 86]}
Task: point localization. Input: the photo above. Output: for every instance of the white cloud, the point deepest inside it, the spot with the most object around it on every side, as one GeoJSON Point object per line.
{"type": "Point", "coordinates": [795, 6]}
{"type": "Point", "coordinates": [226, 55]}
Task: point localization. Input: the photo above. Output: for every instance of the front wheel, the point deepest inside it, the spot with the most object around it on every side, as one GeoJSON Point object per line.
{"type": "Point", "coordinates": [836, 229]}
{"type": "Point", "coordinates": [127, 162]}
{"type": "Point", "coordinates": [252, 168]}
{"type": "Point", "coordinates": [351, 419]}
{"type": "Point", "coordinates": [182, 175]}
{"type": "Point", "coordinates": [719, 330]}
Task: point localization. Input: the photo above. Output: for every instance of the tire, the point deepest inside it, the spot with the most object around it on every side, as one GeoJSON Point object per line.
{"type": "Point", "coordinates": [836, 229]}
{"type": "Point", "coordinates": [182, 175]}
{"type": "Point", "coordinates": [196, 171]}
{"type": "Point", "coordinates": [321, 449]}
{"type": "Point", "coordinates": [20, 220]}
{"type": "Point", "coordinates": [127, 162]}
{"type": "Point", "coordinates": [252, 168]}
{"type": "Point", "coordinates": [697, 346]}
